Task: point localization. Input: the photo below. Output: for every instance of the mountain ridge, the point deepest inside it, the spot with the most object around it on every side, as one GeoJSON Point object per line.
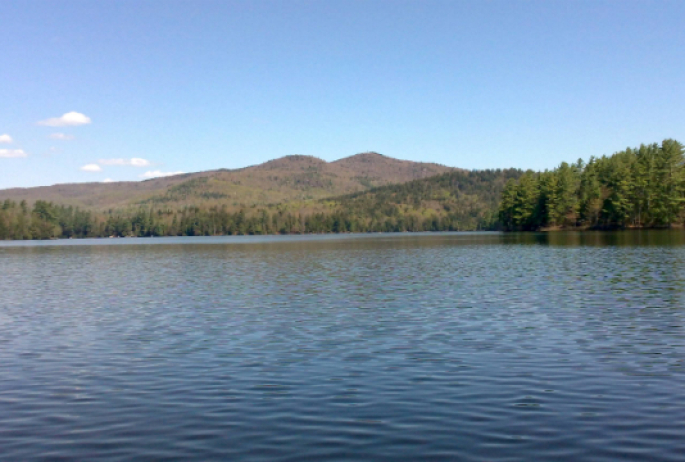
{"type": "Point", "coordinates": [293, 177]}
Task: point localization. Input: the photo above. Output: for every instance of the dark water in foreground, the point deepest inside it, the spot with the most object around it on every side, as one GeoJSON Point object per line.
{"type": "Point", "coordinates": [559, 347]}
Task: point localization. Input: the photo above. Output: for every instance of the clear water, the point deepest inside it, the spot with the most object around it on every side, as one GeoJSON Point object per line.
{"type": "Point", "coordinates": [469, 347]}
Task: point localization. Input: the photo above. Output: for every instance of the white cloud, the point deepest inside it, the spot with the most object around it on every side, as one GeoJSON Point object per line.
{"type": "Point", "coordinates": [107, 180]}
{"type": "Point", "coordinates": [91, 168]}
{"type": "Point", "coordinates": [61, 136]}
{"type": "Point", "coordinates": [6, 139]}
{"type": "Point", "coordinates": [70, 119]}
{"type": "Point", "coordinates": [133, 162]}
{"type": "Point", "coordinates": [12, 153]}
{"type": "Point", "coordinates": [157, 174]}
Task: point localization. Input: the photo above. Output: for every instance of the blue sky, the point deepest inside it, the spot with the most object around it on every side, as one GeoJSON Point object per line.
{"type": "Point", "coordinates": [197, 85]}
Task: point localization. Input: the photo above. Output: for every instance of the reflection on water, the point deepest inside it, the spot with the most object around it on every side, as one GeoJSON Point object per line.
{"type": "Point", "coordinates": [560, 346]}
{"type": "Point", "coordinates": [646, 237]}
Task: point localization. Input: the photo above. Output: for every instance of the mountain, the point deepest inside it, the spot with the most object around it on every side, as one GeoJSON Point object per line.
{"type": "Point", "coordinates": [290, 178]}
{"type": "Point", "coordinates": [295, 194]}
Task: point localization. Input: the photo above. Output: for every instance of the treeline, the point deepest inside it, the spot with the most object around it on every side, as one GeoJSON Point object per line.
{"type": "Point", "coordinates": [641, 187]}
{"type": "Point", "coordinates": [456, 201]}
{"type": "Point", "coordinates": [43, 221]}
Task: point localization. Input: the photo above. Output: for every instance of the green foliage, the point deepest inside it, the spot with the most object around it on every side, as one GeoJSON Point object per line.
{"type": "Point", "coordinates": [642, 187]}
{"type": "Point", "coordinates": [458, 200]}
{"type": "Point", "coordinates": [455, 201]}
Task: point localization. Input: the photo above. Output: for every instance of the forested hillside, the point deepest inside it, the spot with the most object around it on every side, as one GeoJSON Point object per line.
{"type": "Point", "coordinates": [641, 187]}
{"type": "Point", "coordinates": [459, 200]}
{"type": "Point", "coordinates": [290, 178]}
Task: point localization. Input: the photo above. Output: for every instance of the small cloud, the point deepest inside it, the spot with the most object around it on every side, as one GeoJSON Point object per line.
{"type": "Point", "coordinates": [6, 139]}
{"type": "Point", "coordinates": [91, 168]}
{"type": "Point", "coordinates": [70, 119]}
{"type": "Point", "coordinates": [61, 136]}
{"type": "Point", "coordinates": [133, 162]}
{"type": "Point", "coordinates": [108, 180]}
{"type": "Point", "coordinates": [157, 174]}
{"type": "Point", "coordinates": [12, 153]}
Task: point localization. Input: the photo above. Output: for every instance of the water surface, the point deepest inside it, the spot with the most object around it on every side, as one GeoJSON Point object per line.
{"type": "Point", "coordinates": [563, 346]}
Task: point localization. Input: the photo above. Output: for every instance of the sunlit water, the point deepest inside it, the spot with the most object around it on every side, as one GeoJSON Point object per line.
{"type": "Point", "coordinates": [481, 347]}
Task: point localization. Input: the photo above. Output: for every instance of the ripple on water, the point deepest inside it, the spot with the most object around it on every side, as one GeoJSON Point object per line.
{"type": "Point", "coordinates": [438, 347]}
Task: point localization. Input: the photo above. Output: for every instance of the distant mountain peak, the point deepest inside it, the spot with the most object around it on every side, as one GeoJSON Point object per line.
{"type": "Point", "coordinates": [368, 156]}
{"type": "Point", "coordinates": [295, 177]}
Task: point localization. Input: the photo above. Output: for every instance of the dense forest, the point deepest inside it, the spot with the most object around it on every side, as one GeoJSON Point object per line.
{"type": "Point", "coordinates": [454, 201]}
{"type": "Point", "coordinates": [641, 187]}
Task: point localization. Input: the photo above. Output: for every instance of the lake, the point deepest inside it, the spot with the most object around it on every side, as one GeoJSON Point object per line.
{"type": "Point", "coordinates": [397, 347]}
